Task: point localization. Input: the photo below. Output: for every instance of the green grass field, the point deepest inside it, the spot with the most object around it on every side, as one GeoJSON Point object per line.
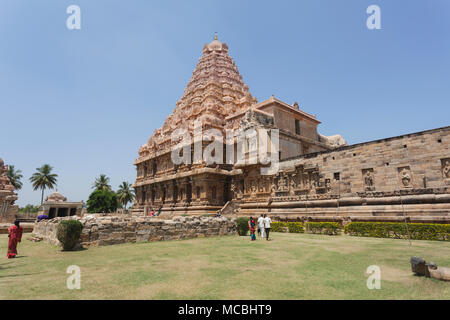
{"type": "Point", "coordinates": [292, 266]}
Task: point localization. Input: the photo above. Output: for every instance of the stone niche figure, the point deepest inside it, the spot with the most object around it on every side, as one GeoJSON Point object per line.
{"type": "Point", "coordinates": [405, 176]}
{"type": "Point", "coordinates": [282, 184]}
{"type": "Point", "coordinates": [273, 187]}
{"type": "Point", "coordinates": [253, 188]}
{"type": "Point", "coordinates": [292, 185]}
{"type": "Point", "coordinates": [233, 189]}
{"type": "Point", "coordinates": [368, 179]}
{"type": "Point", "coordinates": [446, 168]}
{"type": "Point", "coordinates": [240, 189]}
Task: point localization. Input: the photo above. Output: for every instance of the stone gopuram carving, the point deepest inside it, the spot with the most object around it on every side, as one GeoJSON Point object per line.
{"type": "Point", "coordinates": [8, 197]}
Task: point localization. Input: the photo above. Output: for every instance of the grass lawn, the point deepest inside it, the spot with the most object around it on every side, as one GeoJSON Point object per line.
{"type": "Point", "coordinates": [292, 266]}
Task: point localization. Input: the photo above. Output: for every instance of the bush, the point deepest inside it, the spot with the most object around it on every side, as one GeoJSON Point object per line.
{"type": "Point", "coordinates": [68, 233]}
{"type": "Point", "coordinates": [396, 230]}
{"type": "Point", "coordinates": [102, 201]}
{"type": "Point", "coordinates": [329, 228]}
{"type": "Point", "coordinates": [295, 227]}
{"type": "Point", "coordinates": [279, 227]}
{"type": "Point", "coordinates": [242, 226]}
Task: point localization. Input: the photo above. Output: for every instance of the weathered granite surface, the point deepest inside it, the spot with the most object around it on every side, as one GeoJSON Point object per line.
{"type": "Point", "coordinates": [102, 231]}
{"type": "Point", "coordinates": [429, 270]}
{"type": "Point", "coordinates": [8, 210]}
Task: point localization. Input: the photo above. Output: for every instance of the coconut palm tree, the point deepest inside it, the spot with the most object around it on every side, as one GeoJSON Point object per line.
{"type": "Point", "coordinates": [14, 177]}
{"type": "Point", "coordinates": [125, 194]}
{"type": "Point", "coordinates": [101, 183]}
{"type": "Point", "coordinates": [43, 179]}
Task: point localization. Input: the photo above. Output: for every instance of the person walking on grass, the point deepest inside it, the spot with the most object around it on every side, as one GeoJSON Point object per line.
{"type": "Point", "coordinates": [252, 227]}
{"type": "Point", "coordinates": [15, 236]}
{"type": "Point", "coordinates": [261, 226]}
{"type": "Point", "coordinates": [267, 222]}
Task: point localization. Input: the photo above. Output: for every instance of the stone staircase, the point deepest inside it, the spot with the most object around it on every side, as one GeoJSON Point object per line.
{"type": "Point", "coordinates": [231, 208]}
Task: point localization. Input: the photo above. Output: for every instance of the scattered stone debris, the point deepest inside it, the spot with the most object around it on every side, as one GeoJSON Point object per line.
{"type": "Point", "coordinates": [35, 239]}
{"type": "Point", "coordinates": [429, 270]}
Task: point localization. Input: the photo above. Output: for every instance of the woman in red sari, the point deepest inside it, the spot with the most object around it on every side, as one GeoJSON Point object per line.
{"type": "Point", "coordinates": [252, 228]}
{"type": "Point", "coordinates": [15, 236]}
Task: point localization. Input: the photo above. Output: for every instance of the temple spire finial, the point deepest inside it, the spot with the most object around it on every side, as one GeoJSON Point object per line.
{"type": "Point", "coordinates": [215, 36]}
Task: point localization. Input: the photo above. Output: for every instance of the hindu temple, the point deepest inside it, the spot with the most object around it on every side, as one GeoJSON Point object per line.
{"type": "Point", "coordinates": [56, 205]}
{"type": "Point", "coordinates": [318, 177]}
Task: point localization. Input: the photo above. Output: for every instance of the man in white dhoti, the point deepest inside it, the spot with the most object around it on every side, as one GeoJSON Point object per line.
{"type": "Point", "coordinates": [261, 226]}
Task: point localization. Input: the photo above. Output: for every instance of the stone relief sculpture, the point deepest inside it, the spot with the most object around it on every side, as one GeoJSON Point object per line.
{"type": "Point", "coordinates": [273, 187]}
{"type": "Point", "coordinates": [282, 183]}
{"type": "Point", "coordinates": [368, 179]}
{"type": "Point", "coordinates": [292, 185]}
{"type": "Point", "coordinates": [405, 176]}
{"type": "Point", "coordinates": [446, 168]}
{"type": "Point", "coordinates": [253, 187]}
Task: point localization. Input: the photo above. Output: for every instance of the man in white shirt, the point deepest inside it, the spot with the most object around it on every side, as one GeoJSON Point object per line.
{"type": "Point", "coordinates": [267, 222]}
{"type": "Point", "coordinates": [261, 226]}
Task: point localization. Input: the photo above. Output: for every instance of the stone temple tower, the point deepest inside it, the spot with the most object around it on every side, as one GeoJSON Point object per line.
{"type": "Point", "coordinates": [216, 97]}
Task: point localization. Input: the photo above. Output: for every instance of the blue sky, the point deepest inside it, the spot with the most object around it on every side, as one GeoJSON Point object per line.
{"type": "Point", "coordinates": [85, 100]}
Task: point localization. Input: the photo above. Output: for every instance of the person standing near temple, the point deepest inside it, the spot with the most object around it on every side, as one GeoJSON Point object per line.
{"type": "Point", "coordinates": [267, 223]}
{"type": "Point", "coordinates": [261, 226]}
{"type": "Point", "coordinates": [15, 236]}
{"type": "Point", "coordinates": [252, 228]}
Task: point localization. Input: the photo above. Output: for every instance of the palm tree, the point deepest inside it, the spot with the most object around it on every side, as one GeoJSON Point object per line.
{"type": "Point", "coordinates": [101, 183]}
{"type": "Point", "coordinates": [125, 194]}
{"type": "Point", "coordinates": [43, 179]}
{"type": "Point", "coordinates": [14, 177]}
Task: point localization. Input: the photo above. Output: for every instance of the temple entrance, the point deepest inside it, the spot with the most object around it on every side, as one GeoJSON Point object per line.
{"type": "Point", "coordinates": [163, 198]}
{"type": "Point", "coordinates": [51, 213]}
{"type": "Point", "coordinates": [63, 212]}
{"type": "Point", "coordinates": [226, 190]}
{"type": "Point", "coordinates": [73, 211]}
{"type": "Point", "coordinates": [189, 193]}
{"type": "Point", "coordinates": [144, 196]}
{"type": "Point", "coordinates": [175, 194]}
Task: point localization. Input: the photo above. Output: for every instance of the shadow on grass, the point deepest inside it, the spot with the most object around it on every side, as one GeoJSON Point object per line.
{"type": "Point", "coordinates": [20, 275]}
{"type": "Point", "coordinates": [75, 250]}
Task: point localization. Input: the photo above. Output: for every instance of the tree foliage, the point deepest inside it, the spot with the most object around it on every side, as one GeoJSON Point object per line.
{"type": "Point", "coordinates": [102, 201]}
{"type": "Point", "coordinates": [29, 208]}
{"type": "Point", "coordinates": [14, 177]}
{"type": "Point", "coordinates": [43, 178]}
{"type": "Point", "coordinates": [102, 183]}
{"type": "Point", "coordinates": [125, 194]}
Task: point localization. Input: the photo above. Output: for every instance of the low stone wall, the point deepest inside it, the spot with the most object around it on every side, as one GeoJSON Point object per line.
{"type": "Point", "coordinates": [27, 227]}
{"type": "Point", "coordinates": [102, 231]}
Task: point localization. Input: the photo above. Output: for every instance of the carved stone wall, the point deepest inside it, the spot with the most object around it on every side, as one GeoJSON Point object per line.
{"type": "Point", "coordinates": [389, 177]}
